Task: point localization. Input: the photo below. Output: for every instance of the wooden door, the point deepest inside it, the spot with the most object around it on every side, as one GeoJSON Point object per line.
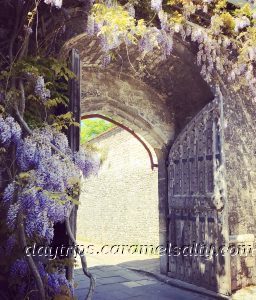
{"type": "Point", "coordinates": [197, 202]}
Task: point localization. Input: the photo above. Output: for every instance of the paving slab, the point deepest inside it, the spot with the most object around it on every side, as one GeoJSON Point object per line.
{"type": "Point", "coordinates": [115, 280]}
{"type": "Point", "coordinates": [147, 282]}
{"type": "Point", "coordinates": [131, 284]}
{"type": "Point", "coordinates": [142, 287]}
{"type": "Point", "coordinates": [84, 284]}
{"type": "Point", "coordinates": [110, 280]}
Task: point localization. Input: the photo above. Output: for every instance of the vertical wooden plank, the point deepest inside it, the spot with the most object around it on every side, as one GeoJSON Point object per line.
{"type": "Point", "coordinates": [74, 100]}
{"type": "Point", "coordinates": [74, 131]}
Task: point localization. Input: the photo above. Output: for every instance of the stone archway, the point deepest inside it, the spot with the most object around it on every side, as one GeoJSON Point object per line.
{"type": "Point", "coordinates": [156, 99]}
{"type": "Point", "coordinates": [180, 94]}
{"type": "Point", "coordinates": [130, 119]}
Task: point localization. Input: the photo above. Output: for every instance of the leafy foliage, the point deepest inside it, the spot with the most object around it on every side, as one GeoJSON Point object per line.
{"type": "Point", "coordinates": [91, 128]}
{"type": "Point", "coordinates": [40, 75]}
{"type": "Point", "coordinates": [225, 34]}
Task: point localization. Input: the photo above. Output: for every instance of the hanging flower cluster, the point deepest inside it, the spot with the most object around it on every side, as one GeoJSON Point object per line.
{"type": "Point", "coordinates": [56, 3]}
{"type": "Point", "coordinates": [42, 191]}
{"type": "Point", "coordinates": [156, 5]}
{"type": "Point", "coordinates": [48, 177]}
{"type": "Point", "coordinates": [40, 90]}
{"type": "Point", "coordinates": [105, 19]}
{"type": "Point", "coordinates": [55, 283]}
{"type": "Point", "coordinates": [226, 45]}
{"type": "Point", "coordinates": [88, 163]}
{"type": "Point", "coordinates": [10, 131]}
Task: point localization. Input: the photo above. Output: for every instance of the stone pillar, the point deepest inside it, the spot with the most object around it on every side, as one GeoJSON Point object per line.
{"type": "Point", "coordinates": [163, 205]}
{"type": "Point", "coordinates": [240, 154]}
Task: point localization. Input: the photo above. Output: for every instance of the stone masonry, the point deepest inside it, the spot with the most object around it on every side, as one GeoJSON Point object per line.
{"type": "Point", "coordinates": [120, 204]}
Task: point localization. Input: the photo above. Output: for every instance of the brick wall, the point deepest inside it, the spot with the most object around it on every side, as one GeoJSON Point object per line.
{"type": "Point", "coordinates": [120, 204]}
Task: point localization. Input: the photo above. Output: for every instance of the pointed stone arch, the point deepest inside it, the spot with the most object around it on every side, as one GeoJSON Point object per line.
{"type": "Point", "coordinates": [173, 90]}
{"type": "Point", "coordinates": [154, 98]}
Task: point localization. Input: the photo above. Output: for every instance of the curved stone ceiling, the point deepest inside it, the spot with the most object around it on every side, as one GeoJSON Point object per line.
{"type": "Point", "coordinates": [153, 97]}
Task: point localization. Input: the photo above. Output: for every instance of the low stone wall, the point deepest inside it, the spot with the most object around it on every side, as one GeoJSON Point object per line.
{"type": "Point", "coordinates": [120, 204]}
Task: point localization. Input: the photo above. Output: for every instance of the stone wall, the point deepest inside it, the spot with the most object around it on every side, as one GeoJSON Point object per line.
{"type": "Point", "coordinates": [240, 150]}
{"type": "Point", "coordinates": [120, 205]}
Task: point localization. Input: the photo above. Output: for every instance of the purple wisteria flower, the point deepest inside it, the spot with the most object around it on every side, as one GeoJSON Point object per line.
{"type": "Point", "coordinates": [5, 132]}
{"type": "Point", "coordinates": [38, 224]}
{"type": "Point", "coordinates": [106, 59]}
{"type": "Point", "coordinates": [163, 17]}
{"type": "Point", "coordinates": [156, 5]}
{"type": "Point", "coordinates": [252, 53]}
{"type": "Point", "coordinates": [20, 268]}
{"type": "Point", "coordinates": [145, 44]}
{"type": "Point", "coordinates": [10, 243]}
{"type": "Point", "coordinates": [15, 129]}
{"type": "Point", "coordinates": [44, 134]}
{"type": "Point", "coordinates": [28, 197]}
{"type": "Point", "coordinates": [26, 152]}
{"type": "Point", "coordinates": [88, 163]}
{"type": "Point", "coordinates": [32, 150]}
{"type": "Point", "coordinates": [9, 192]}
{"type": "Point", "coordinates": [241, 23]}
{"type": "Point", "coordinates": [12, 215]}
{"type": "Point", "coordinates": [52, 174]}
{"type": "Point", "coordinates": [90, 29]}
{"type": "Point", "coordinates": [60, 140]}
{"type": "Point", "coordinates": [56, 282]}
{"type": "Point", "coordinates": [56, 211]}
{"type": "Point", "coordinates": [108, 3]}
{"type": "Point", "coordinates": [40, 90]}
{"type": "Point", "coordinates": [56, 3]}
{"type": "Point", "coordinates": [131, 10]}
{"type": "Point", "coordinates": [44, 198]}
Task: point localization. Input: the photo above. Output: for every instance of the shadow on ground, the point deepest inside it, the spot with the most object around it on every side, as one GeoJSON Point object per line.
{"type": "Point", "coordinates": [114, 282]}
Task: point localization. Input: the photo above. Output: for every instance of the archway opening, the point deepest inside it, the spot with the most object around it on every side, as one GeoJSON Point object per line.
{"type": "Point", "coordinates": [119, 211]}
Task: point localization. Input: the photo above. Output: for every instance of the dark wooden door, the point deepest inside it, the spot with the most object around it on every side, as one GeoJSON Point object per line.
{"type": "Point", "coordinates": [197, 202]}
{"type": "Point", "coordinates": [74, 131]}
{"type": "Point", "coordinates": [75, 100]}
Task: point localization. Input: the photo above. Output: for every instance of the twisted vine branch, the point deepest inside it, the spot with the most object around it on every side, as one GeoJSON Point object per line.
{"type": "Point", "coordinates": [23, 98]}
{"type": "Point", "coordinates": [29, 259]}
{"type": "Point", "coordinates": [87, 273]}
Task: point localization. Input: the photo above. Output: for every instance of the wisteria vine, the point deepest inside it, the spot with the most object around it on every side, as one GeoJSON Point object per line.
{"type": "Point", "coordinates": [43, 173]}
{"type": "Point", "coordinates": [42, 192]}
{"type": "Point", "coordinates": [225, 38]}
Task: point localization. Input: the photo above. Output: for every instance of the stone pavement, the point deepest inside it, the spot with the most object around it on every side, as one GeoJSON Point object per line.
{"type": "Point", "coordinates": [115, 280]}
